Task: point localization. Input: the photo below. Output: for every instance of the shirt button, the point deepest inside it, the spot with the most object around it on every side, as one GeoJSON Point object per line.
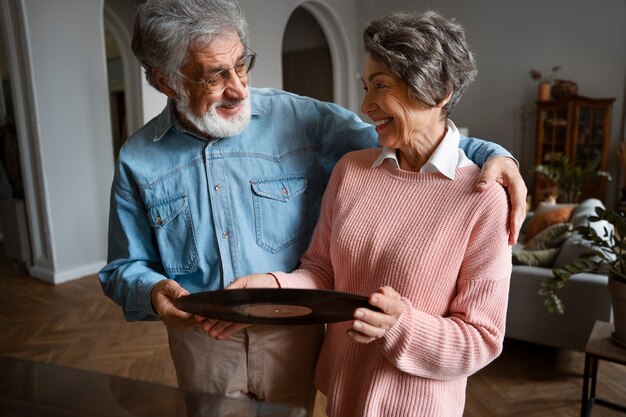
{"type": "Point", "coordinates": [218, 187]}
{"type": "Point", "coordinates": [158, 220]}
{"type": "Point", "coordinates": [225, 235]}
{"type": "Point", "coordinates": [285, 192]}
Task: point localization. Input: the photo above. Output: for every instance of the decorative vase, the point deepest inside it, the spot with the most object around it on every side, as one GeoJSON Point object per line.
{"type": "Point", "coordinates": [543, 92]}
{"type": "Point", "coordinates": [617, 289]}
{"type": "Point", "coordinates": [564, 89]}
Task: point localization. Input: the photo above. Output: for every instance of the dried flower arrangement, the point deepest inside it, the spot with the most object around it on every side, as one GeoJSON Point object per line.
{"type": "Point", "coordinates": [538, 75]}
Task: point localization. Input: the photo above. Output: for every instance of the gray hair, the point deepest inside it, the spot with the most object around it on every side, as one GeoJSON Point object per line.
{"type": "Point", "coordinates": [426, 50]}
{"type": "Point", "coordinates": [165, 29]}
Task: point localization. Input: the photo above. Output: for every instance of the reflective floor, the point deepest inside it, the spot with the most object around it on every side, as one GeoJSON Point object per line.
{"type": "Point", "coordinates": [33, 389]}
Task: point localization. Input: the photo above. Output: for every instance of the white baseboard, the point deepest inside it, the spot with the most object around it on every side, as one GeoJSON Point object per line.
{"type": "Point", "coordinates": [60, 277]}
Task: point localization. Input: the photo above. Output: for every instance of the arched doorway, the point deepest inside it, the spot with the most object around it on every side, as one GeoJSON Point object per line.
{"type": "Point", "coordinates": [117, 95]}
{"type": "Point", "coordinates": [123, 73]}
{"type": "Point", "coordinates": [306, 57]}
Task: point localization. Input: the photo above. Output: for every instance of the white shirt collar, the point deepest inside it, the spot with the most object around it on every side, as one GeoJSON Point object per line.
{"type": "Point", "coordinates": [387, 153]}
{"type": "Point", "coordinates": [446, 158]}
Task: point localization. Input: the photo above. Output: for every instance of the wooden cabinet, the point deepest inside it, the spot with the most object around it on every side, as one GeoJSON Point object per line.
{"type": "Point", "coordinates": [578, 128]}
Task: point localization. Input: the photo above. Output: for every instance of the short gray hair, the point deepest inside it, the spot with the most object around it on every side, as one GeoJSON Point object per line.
{"type": "Point", "coordinates": [165, 29]}
{"type": "Point", "coordinates": [426, 50]}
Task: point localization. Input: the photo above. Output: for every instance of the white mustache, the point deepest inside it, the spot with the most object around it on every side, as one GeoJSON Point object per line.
{"type": "Point", "coordinates": [229, 104]}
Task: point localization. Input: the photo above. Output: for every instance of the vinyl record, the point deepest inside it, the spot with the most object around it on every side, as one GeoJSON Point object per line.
{"type": "Point", "coordinates": [283, 306]}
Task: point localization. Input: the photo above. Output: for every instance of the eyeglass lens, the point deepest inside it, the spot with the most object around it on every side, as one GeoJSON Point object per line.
{"type": "Point", "coordinates": [219, 80]}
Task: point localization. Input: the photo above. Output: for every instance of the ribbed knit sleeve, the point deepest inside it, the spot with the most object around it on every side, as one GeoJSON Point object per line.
{"type": "Point", "coordinates": [470, 334]}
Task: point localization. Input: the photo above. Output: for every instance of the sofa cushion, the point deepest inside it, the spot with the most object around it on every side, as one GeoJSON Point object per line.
{"type": "Point", "coordinates": [584, 210]}
{"type": "Point", "coordinates": [575, 245]}
{"type": "Point", "coordinates": [550, 237]}
{"type": "Point", "coordinates": [544, 207]}
{"type": "Point", "coordinates": [543, 257]}
{"type": "Point", "coordinates": [541, 221]}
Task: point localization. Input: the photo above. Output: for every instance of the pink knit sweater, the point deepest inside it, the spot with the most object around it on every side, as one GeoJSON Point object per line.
{"type": "Point", "coordinates": [444, 248]}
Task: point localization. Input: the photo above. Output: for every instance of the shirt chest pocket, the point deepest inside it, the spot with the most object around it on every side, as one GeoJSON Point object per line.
{"type": "Point", "coordinates": [280, 211]}
{"type": "Point", "coordinates": [171, 220]}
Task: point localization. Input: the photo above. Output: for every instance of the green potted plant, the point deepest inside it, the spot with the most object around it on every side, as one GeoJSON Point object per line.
{"type": "Point", "coordinates": [606, 255]}
{"type": "Point", "coordinates": [569, 177]}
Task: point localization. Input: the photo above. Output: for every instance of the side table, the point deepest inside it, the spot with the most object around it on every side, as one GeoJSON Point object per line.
{"type": "Point", "coordinates": [599, 347]}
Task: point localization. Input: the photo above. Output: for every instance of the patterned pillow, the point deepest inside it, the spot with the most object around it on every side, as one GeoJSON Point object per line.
{"type": "Point", "coordinates": [544, 257]}
{"type": "Point", "coordinates": [550, 237]}
{"type": "Point", "coordinates": [544, 207]}
{"type": "Point", "coordinates": [540, 222]}
{"type": "Point", "coordinates": [575, 245]}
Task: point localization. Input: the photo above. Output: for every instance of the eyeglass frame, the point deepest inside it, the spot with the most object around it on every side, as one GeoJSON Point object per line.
{"type": "Point", "coordinates": [225, 72]}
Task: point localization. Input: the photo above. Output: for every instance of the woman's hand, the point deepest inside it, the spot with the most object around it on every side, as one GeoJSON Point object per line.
{"type": "Point", "coordinates": [505, 172]}
{"type": "Point", "coordinates": [221, 330]}
{"type": "Point", "coordinates": [254, 281]}
{"type": "Point", "coordinates": [371, 325]}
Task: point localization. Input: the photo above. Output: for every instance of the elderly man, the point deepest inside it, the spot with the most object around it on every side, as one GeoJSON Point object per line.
{"type": "Point", "coordinates": [225, 182]}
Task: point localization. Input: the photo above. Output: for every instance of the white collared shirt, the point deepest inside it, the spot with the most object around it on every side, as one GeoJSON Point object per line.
{"type": "Point", "coordinates": [446, 158]}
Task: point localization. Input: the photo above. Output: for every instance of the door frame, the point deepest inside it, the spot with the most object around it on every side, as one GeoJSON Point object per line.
{"type": "Point", "coordinates": [28, 138]}
{"type": "Point", "coordinates": [340, 52]}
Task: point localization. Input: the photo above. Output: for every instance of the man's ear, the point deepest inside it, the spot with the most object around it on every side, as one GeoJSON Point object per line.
{"type": "Point", "coordinates": [161, 81]}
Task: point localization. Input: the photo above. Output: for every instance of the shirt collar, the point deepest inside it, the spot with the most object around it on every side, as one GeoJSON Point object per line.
{"type": "Point", "coordinates": [166, 120]}
{"type": "Point", "coordinates": [387, 153]}
{"type": "Point", "coordinates": [445, 158]}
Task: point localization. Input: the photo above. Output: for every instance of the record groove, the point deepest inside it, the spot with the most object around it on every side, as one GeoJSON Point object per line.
{"type": "Point", "coordinates": [279, 306]}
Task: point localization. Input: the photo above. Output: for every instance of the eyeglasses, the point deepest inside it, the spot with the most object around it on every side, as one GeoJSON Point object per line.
{"type": "Point", "coordinates": [217, 81]}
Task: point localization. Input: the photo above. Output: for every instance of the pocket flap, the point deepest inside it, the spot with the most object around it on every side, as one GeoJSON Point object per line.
{"type": "Point", "coordinates": [280, 189]}
{"type": "Point", "coordinates": [162, 211]}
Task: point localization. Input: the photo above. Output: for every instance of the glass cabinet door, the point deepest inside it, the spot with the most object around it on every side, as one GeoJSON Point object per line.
{"type": "Point", "coordinates": [590, 132]}
{"type": "Point", "coordinates": [553, 134]}
{"type": "Point", "coordinates": [576, 129]}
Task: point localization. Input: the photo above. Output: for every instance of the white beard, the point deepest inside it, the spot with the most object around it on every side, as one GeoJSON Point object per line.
{"type": "Point", "coordinates": [211, 123]}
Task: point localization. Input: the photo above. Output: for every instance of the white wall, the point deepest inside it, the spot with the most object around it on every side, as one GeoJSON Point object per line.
{"type": "Point", "coordinates": [73, 135]}
{"type": "Point", "coordinates": [147, 99]}
{"type": "Point", "coordinates": [267, 24]}
{"type": "Point", "coordinates": [267, 21]}
{"type": "Point", "coordinates": [66, 120]}
{"type": "Point", "coordinates": [153, 100]}
{"type": "Point", "coordinates": [512, 37]}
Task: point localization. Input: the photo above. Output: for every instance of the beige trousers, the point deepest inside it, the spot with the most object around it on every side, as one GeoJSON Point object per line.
{"type": "Point", "coordinates": [274, 364]}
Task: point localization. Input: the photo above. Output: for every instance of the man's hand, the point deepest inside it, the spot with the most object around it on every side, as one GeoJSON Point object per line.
{"type": "Point", "coordinates": [504, 171]}
{"type": "Point", "coordinates": [162, 296]}
{"type": "Point", "coordinates": [221, 330]}
{"type": "Point", "coordinates": [371, 325]}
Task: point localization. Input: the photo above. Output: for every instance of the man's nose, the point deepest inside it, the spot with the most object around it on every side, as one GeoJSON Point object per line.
{"type": "Point", "coordinates": [236, 87]}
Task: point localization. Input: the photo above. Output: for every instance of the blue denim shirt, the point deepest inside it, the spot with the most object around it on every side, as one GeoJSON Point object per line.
{"type": "Point", "coordinates": [204, 212]}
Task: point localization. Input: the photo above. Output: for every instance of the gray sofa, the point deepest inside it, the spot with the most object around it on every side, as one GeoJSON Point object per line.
{"type": "Point", "coordinates": [585, 296]}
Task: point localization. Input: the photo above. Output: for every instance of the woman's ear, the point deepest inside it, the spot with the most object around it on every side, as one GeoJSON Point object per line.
{"type": "Point", "coordinates": [445, 100]}
{"type": "Point", "coordinates": [161, 81]}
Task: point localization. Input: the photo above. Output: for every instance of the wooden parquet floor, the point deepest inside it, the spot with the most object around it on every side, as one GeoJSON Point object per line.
{"type": "Point", "coordinates": [75, 325]}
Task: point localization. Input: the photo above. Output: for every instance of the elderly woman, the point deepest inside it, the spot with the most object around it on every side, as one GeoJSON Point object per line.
{"type": "Point", "coordinates": [405, 226]}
